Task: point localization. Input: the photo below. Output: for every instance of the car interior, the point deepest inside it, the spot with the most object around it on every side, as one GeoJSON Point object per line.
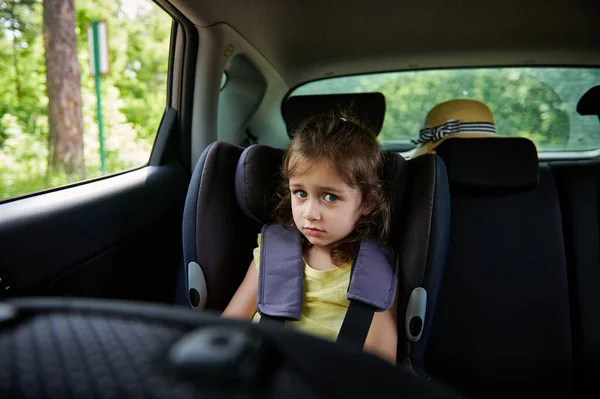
{"type": "Point", "coordinates": [502, 233]}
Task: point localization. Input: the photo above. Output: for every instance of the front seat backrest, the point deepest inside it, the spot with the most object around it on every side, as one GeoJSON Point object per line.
{"type": "Point", "coordinates": [502, 324]}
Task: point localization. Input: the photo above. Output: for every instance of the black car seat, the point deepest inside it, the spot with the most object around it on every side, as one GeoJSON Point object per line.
{"type": "Point", "coordinates": [219, 232]}
{"type": "Point", "coordinates": [502, 326]}
{"type": "Point", "coordinates": [579, 190]}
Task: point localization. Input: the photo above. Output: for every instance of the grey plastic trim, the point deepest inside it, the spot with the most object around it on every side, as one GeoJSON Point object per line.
{"type": "Point", "coordinates": [417, 307]}
{"type": "Point", "coordinates": [197, 281]}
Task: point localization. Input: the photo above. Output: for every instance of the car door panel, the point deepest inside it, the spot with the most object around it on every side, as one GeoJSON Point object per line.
{"type": "Point", "coordinates": [115, 237]}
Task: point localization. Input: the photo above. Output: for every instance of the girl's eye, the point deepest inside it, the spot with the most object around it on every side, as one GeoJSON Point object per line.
{"type": "Point", "coordinates": [300, 194]}
{"type": "Point", "coordinates": [330, 197]}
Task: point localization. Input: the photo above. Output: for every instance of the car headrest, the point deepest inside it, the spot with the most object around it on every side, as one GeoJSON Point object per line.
{"type": "Point", "coordinates": [495, 164]}
{"type": "Point", "coordinates": [369, 108]}
{"type": "Point", "coordinates": [258, 176]}
{"type": "Point", "coordinates": [589, 103]}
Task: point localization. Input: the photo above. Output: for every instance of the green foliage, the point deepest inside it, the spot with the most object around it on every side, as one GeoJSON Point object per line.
{"type": "Point", "coordinates": [522, 105]}
{"type": "Point", "coordinates": [133, 93]}
{"type": "Point", "coordinates": [537, 103]}
{"type": "Point", "coordinates": [22, 66]}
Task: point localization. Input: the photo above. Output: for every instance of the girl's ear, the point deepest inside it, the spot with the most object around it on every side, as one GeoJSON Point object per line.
{"type": "Point", "coordinates": [367, 208]}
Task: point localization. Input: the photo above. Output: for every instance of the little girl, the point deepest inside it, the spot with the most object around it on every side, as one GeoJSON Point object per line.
{"type": "Point", "coordinates": [332, 193]}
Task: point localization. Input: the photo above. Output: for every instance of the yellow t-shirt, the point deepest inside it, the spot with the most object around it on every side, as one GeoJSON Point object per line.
{"type": "Point", "coordinates": [324, 302]}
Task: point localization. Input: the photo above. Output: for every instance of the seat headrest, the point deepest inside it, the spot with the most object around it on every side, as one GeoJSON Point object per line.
{"type": "Point", "coordinates": [589, 103]}
{"type": "Point", "coordinates": [258, 176]}
{"type": "Point", "coordinates": [369, 108]}
{"type": "Point", "coordinates": [257, 179]}
{"type": "Point", "coordinates": [496, 164]}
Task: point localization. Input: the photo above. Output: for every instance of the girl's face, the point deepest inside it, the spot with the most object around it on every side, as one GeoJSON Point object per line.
{"type": "Point", "coordinates": [324, 207]}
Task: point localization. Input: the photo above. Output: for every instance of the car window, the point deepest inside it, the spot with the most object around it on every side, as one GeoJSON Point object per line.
{"type": "Point", "coordinates": [49, 115]}
{"type": "Point", "coordinates": [537, 103]}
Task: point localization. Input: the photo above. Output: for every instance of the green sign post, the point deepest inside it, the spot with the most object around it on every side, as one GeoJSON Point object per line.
{"type": "Point", "coordinates": [97, 73]}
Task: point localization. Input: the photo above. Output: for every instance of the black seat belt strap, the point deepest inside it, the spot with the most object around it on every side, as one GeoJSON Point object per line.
{"type": "Point", "coordinates": [356, 324]}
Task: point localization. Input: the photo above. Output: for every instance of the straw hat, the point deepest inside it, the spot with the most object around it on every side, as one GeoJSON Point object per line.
{"type": "Point", "coordinates": [454, 118]}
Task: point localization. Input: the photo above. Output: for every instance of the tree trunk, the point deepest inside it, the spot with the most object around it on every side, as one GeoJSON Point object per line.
{"type": "Point", "coordinates": [63, 84]}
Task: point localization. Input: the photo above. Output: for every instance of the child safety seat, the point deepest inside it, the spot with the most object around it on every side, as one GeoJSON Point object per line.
{"type": "Point", "coordinates": [374, 274]}
{"type": "Point", "coordinates": [230, 199]}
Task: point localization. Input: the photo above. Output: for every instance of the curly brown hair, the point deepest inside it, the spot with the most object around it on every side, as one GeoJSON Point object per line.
{"type": "Point", "coordinates": [352, 150]}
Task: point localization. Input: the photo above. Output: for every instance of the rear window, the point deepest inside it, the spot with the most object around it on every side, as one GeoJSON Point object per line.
{"type": "Point", "coordinates": [537, 103]}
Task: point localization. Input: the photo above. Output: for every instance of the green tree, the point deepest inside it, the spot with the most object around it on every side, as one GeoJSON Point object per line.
{"type": "Point", "coordinates": [21, 55]}
{"type": "Point", "coordinates": [63, 83]}
{"type": "Point", "coordinates": [134, 93]}
{"type": "Point", "coordinates": [13, 15]}
{"type": "Point", "coordinates": [538, 103]}
{"type": "Point", "coordinates": [522, 105]}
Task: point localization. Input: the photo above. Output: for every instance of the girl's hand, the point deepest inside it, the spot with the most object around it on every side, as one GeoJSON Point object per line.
{"type": "Point", "coordinates": [382, 339]}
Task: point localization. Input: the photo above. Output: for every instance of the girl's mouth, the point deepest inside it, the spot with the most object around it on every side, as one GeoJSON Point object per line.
{"type": "Point", "coordinates": [311, 231]}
